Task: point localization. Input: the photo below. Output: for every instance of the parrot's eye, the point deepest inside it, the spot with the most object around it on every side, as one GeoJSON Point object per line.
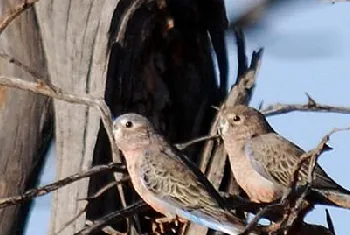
{"type": "Point", "coordinates": [129, 124]}
{"type": "Point", "coordinates": [236, 118]}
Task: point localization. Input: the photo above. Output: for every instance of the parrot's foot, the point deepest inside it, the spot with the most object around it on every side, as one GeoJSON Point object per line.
{"type": "Point", "coordinates": [167, 225]}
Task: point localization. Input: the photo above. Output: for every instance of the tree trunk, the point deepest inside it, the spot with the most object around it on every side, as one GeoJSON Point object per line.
{"type": "Point", "coordinates": [75, 39]}
{"type": "Point", "coordinates": [153, 57]}
{"type": "Point", "coordinates": [26, 119]}
{"type": "Point", "coordinates": [160, 66]}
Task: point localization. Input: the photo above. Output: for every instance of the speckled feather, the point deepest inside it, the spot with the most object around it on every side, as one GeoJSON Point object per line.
{"type": "Point", "coordinates": [168, 176]}
{"type": "Point", "coordinates": [278, 157]}
{"type": "Point", "coordinates": [254, 147]}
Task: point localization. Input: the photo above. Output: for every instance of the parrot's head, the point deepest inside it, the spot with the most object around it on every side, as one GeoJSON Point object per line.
{"type": "Point", "coordinates": [242, 123]}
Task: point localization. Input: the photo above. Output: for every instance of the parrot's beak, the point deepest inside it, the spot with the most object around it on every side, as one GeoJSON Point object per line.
{"type": "Point", "coordinates": [222, 126]}
{"type": "Point", "coordinates": [116, 130]}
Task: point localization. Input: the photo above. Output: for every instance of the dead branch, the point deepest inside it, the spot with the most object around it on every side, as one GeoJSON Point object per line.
{"type": "Point", "coordinates": [240, 93]}
{"type": "Point", "coordinates": [330, 222]}
{"type": "Point", "coordinates": [313, 155]}
{"type": "Point", "coordinates": [72, 220]}
{"type": "Point", "coordinates": [105, 188]}
{"type": "Point", "coordinates": [292, 203]}
{"type": "Point", "coordinates": [40, 87]}
{"type": "Point", "coordinates": [115, 216]}
{"type": "Point", "coordinates": [294, 207]}
{"type": "Point", "coordinates": [242, 66]}
{"type": "Point", "coordinates": [52, 91]}
{"type": "Point", "coordinates": [107, 229]}
{"type": "Point", "coordinates": [83, 210]}
{"type": "Point", "coordinates": [41, 191]}
{"type": "Point", "coordinates": [194, 141]}
{"type": "Point", "coordinates": [261, 214]}
{"type": "Point", "coordinates": [310, 106]}
{"type": "Point", "coordinates": [21, 65]}
{"type": "Point", "coordinates": [15, 12]}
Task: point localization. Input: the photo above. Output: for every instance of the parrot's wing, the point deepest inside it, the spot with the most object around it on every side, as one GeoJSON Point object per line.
{"type": "Point", "coordinates": [175, 182]}
{"type": "Point", "coordinates": [274, 158]}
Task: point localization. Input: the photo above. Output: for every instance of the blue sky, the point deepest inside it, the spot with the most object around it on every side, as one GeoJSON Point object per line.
{"type": "Point", "coordinates": [307, 49]}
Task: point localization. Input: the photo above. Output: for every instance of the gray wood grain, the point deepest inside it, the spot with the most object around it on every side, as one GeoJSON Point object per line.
{"type": "Point", "coordinates": [25, 118]}
{"type": "Point", "coordinates": [75, 40]}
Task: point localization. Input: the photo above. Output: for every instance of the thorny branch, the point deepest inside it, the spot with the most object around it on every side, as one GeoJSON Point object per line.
{"type": "Point", "coordinates": [41, 191]}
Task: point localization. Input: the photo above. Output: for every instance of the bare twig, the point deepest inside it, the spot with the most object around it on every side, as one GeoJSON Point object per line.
{"type": "Point", "coordinates": [105, 188]}
{"type": "Point", "coordinates": [194, 141]}
{"type": "Point", "coordinates": [310, 106]}
{"type": "Point", "coordinates": [107, 229]}
{"type": "Point", "coordinates": [292, 212]}
{"type": "Point", "coordinates": [115, 216]}
{"type": "Point", "coordinates": [241, 50]}
{"type": "Point", "coordinates": [314, 153]}
{"type": "Point", "coordinates": [49, 90]}
{"type": "Point", "coordinates": [330, 222]}
{"type": "Point", "coordinates": [95, 195]}
{"type": "Point", "coordinates": [40, 87]}
{"type": "Point", "coordinates": [72, 220]}
{"type": "Point", "coordinates": [100, 191]}
{"type": "Point", "coordinates": [40, 191]}
{"type": "Point", "coordinates": [239, 94]}
{"type": "Point", "coordinates": [254, 222]}
{"type": "Point", "coordinates": [22, 66]}
{"type": "Point", "coordinates": [15, 12]}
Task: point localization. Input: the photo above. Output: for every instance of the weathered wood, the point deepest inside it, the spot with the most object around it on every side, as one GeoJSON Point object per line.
{"type": "Point", "coordinates": [25, 118]}
{"type": "Point", "coordinates": [160, 66]}
{"type": "Point", "coordinates": [74, 33]}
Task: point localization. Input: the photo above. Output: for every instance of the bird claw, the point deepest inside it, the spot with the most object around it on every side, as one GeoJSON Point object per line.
{"type": "Point", "coordinates": [163, 225]}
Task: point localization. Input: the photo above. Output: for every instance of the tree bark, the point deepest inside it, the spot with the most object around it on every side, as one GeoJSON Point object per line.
{"type": "Point", "coordinates": [75, 40]}
{"type": "Point", "coordinates": [160, 66]}
{"type": "Point", "coordinates": [26, 119]}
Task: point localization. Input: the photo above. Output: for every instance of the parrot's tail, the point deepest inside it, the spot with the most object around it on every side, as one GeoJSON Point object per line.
{"type": "Point", "coordinates": [339, 197]}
